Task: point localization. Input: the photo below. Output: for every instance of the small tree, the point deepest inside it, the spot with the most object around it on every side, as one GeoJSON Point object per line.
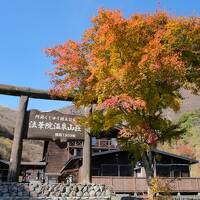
{"type": "Point", "coordinates": [131, 69]}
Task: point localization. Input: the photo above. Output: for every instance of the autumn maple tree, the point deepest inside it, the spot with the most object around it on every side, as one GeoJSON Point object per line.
{"type": "Point", "coordinates": [131, 69]}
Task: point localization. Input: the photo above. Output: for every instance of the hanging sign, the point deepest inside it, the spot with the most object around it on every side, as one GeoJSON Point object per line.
{"type": "Point", "coordinates": [52, 125]}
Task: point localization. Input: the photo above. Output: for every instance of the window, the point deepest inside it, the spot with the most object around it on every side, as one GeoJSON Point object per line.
{"type": "Point", "coordinates": [180, 171]}
{"type": "Point", "coordinates": [95, 172]}
{"type": "Point", "coordinates": [94, 141]}
{"type": "Point", "coordinates": [114, 141]}
{"type": "Point", "coordinates": [79, 152]}
{"type": "Point", "coordinates": [109, 170]}
{"type": "Point", "coordinates": [116, 170]}
{"type": "Point", "coordinates": [177, 173]}
{"type": "Point", "coordinates": [173, 170]}
{"type": "Point", "coordinates": [163, 171]}
{"type": "Point", "coordinates": [126, 170]}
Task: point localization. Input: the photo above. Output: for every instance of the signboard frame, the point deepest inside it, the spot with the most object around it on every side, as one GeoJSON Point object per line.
{"type": "Point", "coordinates": [53, 125]}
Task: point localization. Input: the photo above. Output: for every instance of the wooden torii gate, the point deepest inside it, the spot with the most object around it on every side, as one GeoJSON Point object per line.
{"type": "Point", "coordinates": [15, 159]}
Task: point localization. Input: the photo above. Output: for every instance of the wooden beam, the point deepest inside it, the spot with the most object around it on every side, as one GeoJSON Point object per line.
{"type": "Point", "coordinates": [16, 153]}
{"type": "Point", "coordinates": [87, 154]}
{"type": "Point", "coordinates": [30, 92]}
{"type": "Point", "coordinates": [86, 173]}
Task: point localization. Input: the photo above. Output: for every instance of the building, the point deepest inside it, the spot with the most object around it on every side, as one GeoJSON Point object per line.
{"type": "Point", "coordinates": [62, 162]}
{"type": "Point", "coordinates": [121, 163]}
{"type": "Point", "coordinates": [116, 168]}
{"type": "Point", "coordinates": [56, 154]}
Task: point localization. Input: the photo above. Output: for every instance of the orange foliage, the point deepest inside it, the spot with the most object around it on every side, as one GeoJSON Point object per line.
{"type": "Point", "coordinates": [185, 150]}
{"type": "Point", "coordinates": [132, 67]}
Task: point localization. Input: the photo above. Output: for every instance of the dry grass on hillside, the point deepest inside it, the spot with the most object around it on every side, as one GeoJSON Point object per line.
{"type": "Point", "coordinates": [31, 151]}
{"type": "Point", "coordinates": [5, 148]}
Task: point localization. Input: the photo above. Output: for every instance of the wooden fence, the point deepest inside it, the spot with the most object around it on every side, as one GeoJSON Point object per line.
{"type": "Point", "coordinates": [132, 184]}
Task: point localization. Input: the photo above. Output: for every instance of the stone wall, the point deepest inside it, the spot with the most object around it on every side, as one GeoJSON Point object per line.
{"type": "Point", "coordinates": [37, 190]}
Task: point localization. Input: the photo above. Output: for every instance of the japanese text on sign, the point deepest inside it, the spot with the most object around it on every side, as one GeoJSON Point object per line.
{"type": "Point", "coordinates": [53, 125]}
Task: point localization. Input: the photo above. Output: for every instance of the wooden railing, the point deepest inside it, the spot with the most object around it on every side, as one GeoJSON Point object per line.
{"type": "Point", "coordinates": [105, 144]}
{"type": "Point", "coordinates": [100, 144]}
{"type": "Point", "coordinates": [132, 184]}
{"type": "Point", "coordinates": [75, 144]}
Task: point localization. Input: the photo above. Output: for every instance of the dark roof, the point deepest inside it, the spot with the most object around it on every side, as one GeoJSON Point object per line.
{"type": "Point", "coordinates": [106, 152]}
{"type": "Point", "coordinates": [75, 159]}
{"type": "Point", "coordinates": [70, 162]}
{"type": "Point", "coordinates": [191, 161]}
{"type": "Point", "coordinates": [4, 162]}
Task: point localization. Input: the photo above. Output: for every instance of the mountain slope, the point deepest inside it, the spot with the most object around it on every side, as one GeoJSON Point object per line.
{"type": "Point", "coordinates": [7, 121]}
{"type": "Point", "coordinates": [189, 144]}
{"type": "Point", "coordinates": [190, 102]}
{"type": "Point", "coordinates": [32, 150]}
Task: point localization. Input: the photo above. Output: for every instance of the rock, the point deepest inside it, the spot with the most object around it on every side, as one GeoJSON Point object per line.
{"type": "Point", "coordinates": [90, 188]}
{"type": "Point", "coordinates": [52, 194]}
{"type": "Point", "coordinates": [98, 194]}
{"type": "Point", "coordinates": [79, 194]}
{"type": "Point", "coordinates": [44, 187]}
{"type": "Point", "coordinates": [31, 188]}
{"type": "Point", "coordinates": [86, 194]}
{"type": "Point", "coordinates": [34, 183]}
{"type": "Point", "coordinates": [80, 187]}
{"type": "Point", "coordinates": [51, 188]}
{"type": "Point", "coordinates": [63, 195]}
{"type": "Point", "coordinates": [57, 194]}
{"type": "Point", "coordinates": [92, 193]}
{"type": "Point", "coordinates": [74, 188]}
{"type": "Point", "coordinates": [96, 188]}
{"type": "Point", "coordinates": [33, 194]}
{"type": "Point", "coordinates": [107, 192]}
{"type": "Point", "coordinates": [38, 190]}
{"type": "Point", "coordinates": [85, 189]}
{"type": "Point", "coordinates": [67, 190]}
{"type": "Point", "coordinates": [57, 187]}
{"type": "Point", "coordinates": [72, 194]}
{"type": "Point", "coordinates": [103, 193]}
{"type": "Point", "coordinates": [46, 193]}
{"type": "Point", "coordinates": [102, 188]}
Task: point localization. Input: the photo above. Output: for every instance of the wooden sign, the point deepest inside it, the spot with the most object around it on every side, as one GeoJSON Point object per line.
{"type": "Point", "coordinates": [52, 125]}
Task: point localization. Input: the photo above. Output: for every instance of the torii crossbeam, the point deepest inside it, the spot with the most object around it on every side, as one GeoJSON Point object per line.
{"type": "Point", "coordinates": [15, 159]}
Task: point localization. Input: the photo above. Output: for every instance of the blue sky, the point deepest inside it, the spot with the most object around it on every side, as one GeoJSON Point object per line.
{"type": "Point", "coordinates": [29, 26]}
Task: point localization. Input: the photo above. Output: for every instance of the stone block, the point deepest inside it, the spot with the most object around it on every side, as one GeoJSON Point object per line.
{"type": "Point", "coordinates": [92, 193]}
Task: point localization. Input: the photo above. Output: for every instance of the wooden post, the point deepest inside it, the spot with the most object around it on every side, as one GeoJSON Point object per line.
{"type": "Point", "coordinates": [86, 169]}
{"type": "Point", "coordinates": [30, 92]}
{"type": "Point", "coordinates": [16, 153]}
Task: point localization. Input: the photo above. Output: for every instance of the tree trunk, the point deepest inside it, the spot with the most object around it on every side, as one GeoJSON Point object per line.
{"type": "Point", "coordinates": [16, 153]}
{"type": "Point", "coordinates": [147, 159]}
